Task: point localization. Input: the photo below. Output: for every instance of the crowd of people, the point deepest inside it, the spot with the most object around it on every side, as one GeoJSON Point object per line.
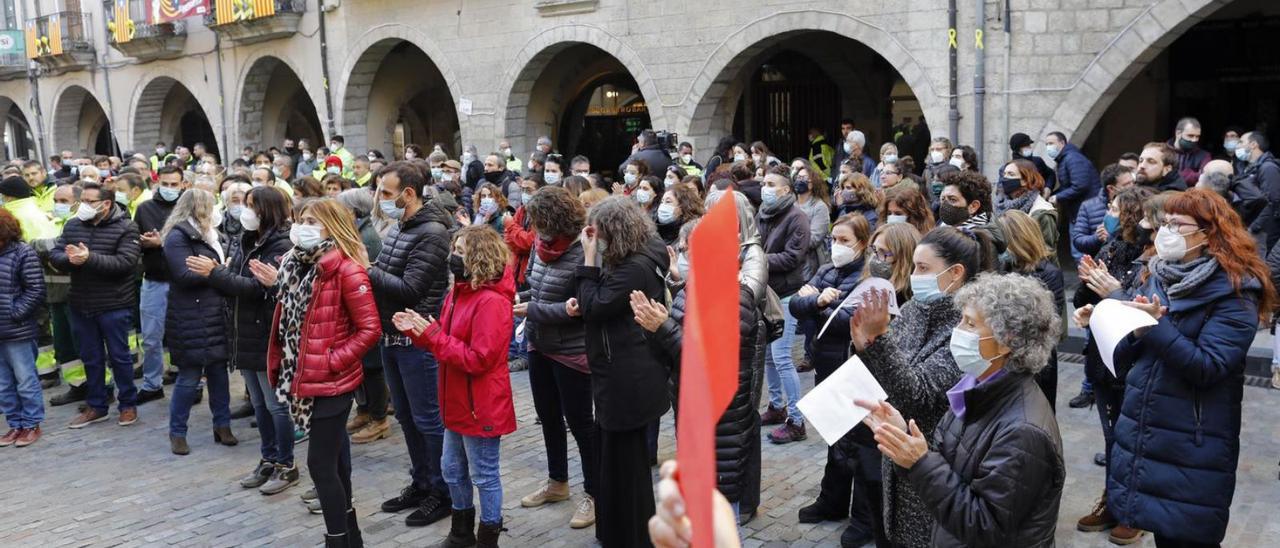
{"type": "Point", "coordinates": [415, 287]}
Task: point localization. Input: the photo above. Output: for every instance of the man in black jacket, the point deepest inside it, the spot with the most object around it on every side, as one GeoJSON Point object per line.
{"type": "Point", "coordinates": [1263, 171]}
{"type": "Point", "coordinates": [151, 216]}
{"type": "Point", "coordinates": [412, 271]}
{"type": "Point", "coordinates": [99, 247]}
{"type": "Point", "coordinates": [651, 152]}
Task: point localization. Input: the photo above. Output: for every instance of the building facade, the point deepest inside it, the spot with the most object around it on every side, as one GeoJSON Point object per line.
{"type": "Point", "coordinates": [588, 73]}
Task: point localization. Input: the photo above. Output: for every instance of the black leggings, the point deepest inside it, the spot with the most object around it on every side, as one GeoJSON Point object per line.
{"type": "Point", "coordinates": [563, 395]}
{"type": "Point", "coordinates": [329, 460]}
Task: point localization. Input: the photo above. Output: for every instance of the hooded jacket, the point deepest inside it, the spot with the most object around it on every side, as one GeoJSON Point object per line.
{"type": "Point", "coordinates": [470, 341]}
{"type": "Point", "coordinates": [628, 385]}
{"type": "Point", "coordinates": [1177, 440]}
{"type": "Point", "coordinates": [412, 270]}
{"type": "Point", "coordinates": [105, 282]}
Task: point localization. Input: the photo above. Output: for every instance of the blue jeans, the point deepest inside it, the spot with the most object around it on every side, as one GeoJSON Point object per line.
{"type": "Point", "coordinates": [413, 381]}
{"type": "Point", "coordinates": [781, 371]}
{"type": "Point", "coordinates": [187, 386]}
{"type": "Point", "coordinates": [480, 456]}
{"type": "Point", "coordinates": [105, 336]}
{"type": "Point", "coordinates": [153, 303]}
{"type": "Point", "coordinates": [517, 349]}
{"type": "Point", "coordinates": [21, 399]}
{"type": "Point", "coordinates": [274, 424]}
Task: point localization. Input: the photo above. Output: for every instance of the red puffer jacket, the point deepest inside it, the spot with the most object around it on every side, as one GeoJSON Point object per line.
{"type": "Point", "coordinates": [470, 342]}
{"type": "Point", "coordinates": [340, 327]}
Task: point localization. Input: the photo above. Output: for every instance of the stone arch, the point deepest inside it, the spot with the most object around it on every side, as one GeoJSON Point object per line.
{"type": "Point", "coordinates": [269, 90]}
{"type": "Point", "coordinates": [709, 102]}
{"type": "Point", "coordinates": [1123, 58]}
{"type": "Point", "coordinates": [78, 116]}
{"type": "Point", "coordinates": [158, 105]}
{"type": "Point", "coordinates": [19, 135]}
{"type": "Point", "coordinates": [511, 110]}
{"type": "Point", "coordinates": [364, 57]}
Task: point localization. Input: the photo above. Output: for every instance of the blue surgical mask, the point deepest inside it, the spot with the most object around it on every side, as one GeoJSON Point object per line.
{"type": "Point", "coordinates": [768, 196]}
{"type": "Point", "coordinates": [525, 197]}
{"type": "Point", "coordinates": [629, 179]}
{"type": "Point", "coordinates": [1052, 151]}
{"type": "Point", "coordinates": [966, 349]}
{"type": "Point", "coordinates": [924, 287]}
{"type": "Point", "coordinates": [62, 211]}
{"type": "Point", "coordinates": [896, 219]}
{"type": "Point", "coordinates": [437, 173]}
{"type": "Point", "coordinates": [390, 209]}
{"type": "Point", "coordinates": [170, 194]}
{"type": "Point", "coordinates": [1231, 144]}
{"type": "Point", "coordinates": [682, 266]}
{"type": "Point", "coordinates": [306, 237]}
{"type": "Point", "coordinates": [1112, 223]}
{"type": "Point", "coordinates": [488, 204]}
{"type": "Point", "coordinates": [666, 213]}
{"type": "Point", "coordinates": [235, 211]}
{"type": "Point", "coordinates": [1242, 154]}
{"type": "Point", "coordinates": [644, 197]}
{"type": "Point", "coordinates": [551, 178]}
{"type": "Point", "coordinates": [890, 158]}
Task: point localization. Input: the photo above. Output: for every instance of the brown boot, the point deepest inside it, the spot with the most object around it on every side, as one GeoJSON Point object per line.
{"type": "Point", "coordinates": [1125, 535]}
{"type": "Point", "coordinates": [372, 431]}
{"type": "Point", "coordinates": [357, 422]}
{"type": "Point", "coordinates": [223, 435]}
{"type": "Point", "coordinates": [1100, 519]}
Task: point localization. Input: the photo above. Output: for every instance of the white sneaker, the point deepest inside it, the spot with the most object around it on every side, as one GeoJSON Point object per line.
{"type": "Point", "coordinates": [585, 515]}
{"type": "Point", "coordinates": [1275, 379]}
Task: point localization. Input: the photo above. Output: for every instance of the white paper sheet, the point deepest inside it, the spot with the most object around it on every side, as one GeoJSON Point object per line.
{"type": "Point", "coordinates": [1112, 321]}
{"type": "Point", "coordinates": [855, 297]}
{"type": "Point", "coordinates": [829, 407]}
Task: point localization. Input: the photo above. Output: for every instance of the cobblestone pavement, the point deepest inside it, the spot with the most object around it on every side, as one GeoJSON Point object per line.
{"type": "Point", "coordinates": [107, 485]}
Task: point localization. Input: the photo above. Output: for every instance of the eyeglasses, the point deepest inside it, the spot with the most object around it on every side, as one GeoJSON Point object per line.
{"type": "Point", "coordinates": [1177, 227]}
{"type": "Point", "coordinates": [883, 255]}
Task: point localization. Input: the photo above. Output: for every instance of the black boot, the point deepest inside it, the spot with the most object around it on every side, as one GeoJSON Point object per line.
{"type": "Point", "coordinates": [487, 535]}
{"type": "Point", "coordinates": [462, 530]}
{"type": "Point", "coordinates": [335, 541]}
{"type": "Point", "coordinates": [72, 395]}
{"type": "Point", "coordinates": [354, 539]}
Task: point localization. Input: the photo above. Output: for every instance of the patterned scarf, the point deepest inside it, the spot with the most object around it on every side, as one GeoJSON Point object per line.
{"type": "Point", "coordinates": [1181, 279]}
{"type": "Point", "coordinates": [294, 285]}
{"type": "Point", "coordinates": [1024, 202]}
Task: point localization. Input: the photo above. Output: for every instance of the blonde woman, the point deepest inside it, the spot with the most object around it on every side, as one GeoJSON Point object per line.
{"type": "Point", "coordinates": [325, 321]}
{"type": "Point", "coordinates": [1028, 255]}
{"type": "Point", "coordinates": [854, 194]}
{"type": "Point", "coordinates": [892, 247]}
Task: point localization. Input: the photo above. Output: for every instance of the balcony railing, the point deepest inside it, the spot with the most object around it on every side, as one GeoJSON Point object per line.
{"type": "Point", "coordinates": [252, 21]}
{"type": "Point", "coordinates": [13, 65]}
{"type": "Point", "coordinates": [58, 34]}
{"type": "Point", "coordinates": [226, 12]}
{"type": "Point", "coordinates": [128, 20]}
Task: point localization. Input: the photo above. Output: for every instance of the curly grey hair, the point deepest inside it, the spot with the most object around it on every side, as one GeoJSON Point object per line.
{"type": "Point", "coordinates": [622, 226]}
{"type": "Point", "coordinates": [1021, 315]}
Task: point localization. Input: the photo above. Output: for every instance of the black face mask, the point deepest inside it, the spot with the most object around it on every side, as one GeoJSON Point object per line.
{"type": "Point", "coordinates": [1009, 186]}
{"type": "Point", "coordinates": [457, 269]}
{"type": "Point", "coordinates": [493, 176]}
{"type": "Point", "coordinates": [952, 215]}
{"type": "Point", "coordinates": [880, 269]}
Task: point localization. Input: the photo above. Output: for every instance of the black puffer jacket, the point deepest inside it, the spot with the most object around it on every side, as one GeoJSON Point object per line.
{"type": "Point", "coordinates": [738, 430]}
{"type": "Point", "coordinates": [23, 293]}
{"type": "Point", "coordinates": [412, 271]}
{"type": "Point", "coordinates": [251, 304]}
{"type": "Point", "coordinates": [196, 317]}
{"type": "Point", "coordinates": [833, 348]}
{"type": "Point", "coordinates": [106, 281]}
{"type": "Point", "coordinates": [628, 386]}
{"type": "Point", "coordinates": [785, 237]}
{"type": "Point", "coordinates": [997, 474]}
{"type": "Point", "coordinates": [550, 329]}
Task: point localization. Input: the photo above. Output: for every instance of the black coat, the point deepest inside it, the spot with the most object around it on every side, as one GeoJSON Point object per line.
{"type": "Point", "coordinates": [23, 293]}
{"type": "Point", "coordinates": [251, 304]}
{"type": "Point", "coordinates": [738, 430]}
{"type": "Point", "coordinates": [785, 238]}
{"type": "Point", "coordinates": [196, 316]}
{"type": "Point", "coordinates": [550, 328]}
{"type": "Point", "coordinates": [997, 475]}
{"type": "Point", "coordinates": [654, 156]}
{"type": "Point", "coordinates": [628, 385]}
{"type": "Point", "coordinates": [151, 215]}
{"type": "Point", "coordinates": [412, 271]}
{"type": "Point", "coordinates": [1265, 174]}
{"type": "Point", "coordinates": [106, 281]}
{"type": "Point", "coordinates": [833, 348]}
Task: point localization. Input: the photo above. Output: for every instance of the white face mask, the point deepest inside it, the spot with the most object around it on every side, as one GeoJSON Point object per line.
{"type": "Point", "coordinates": [739, 157]}
{"type": "Point", "coordinates": [687, 158]}
{"type": "Point", "coordinates": [249, 219]}
{"type": "Point", "coordinates": [306, 237]}
{"type": "Point", "coordinates": [958, 163]}
{"type": "Point", "coordinates": [895, 219]}
{"type": "Point", "coordinates": [841, 255]}
{"type": "Point", "coordinates": [1171, 246]}
{"type": "Point", "coordinates": [935, 156]}
{"type": "Point", "coordinates": [966, 349]}
{"type": "Point", "coordinates": [848, 148]}
{"type": "Point", "coordinates": [1027, 152]}
{"type": "Point", "coordinates": [86, 213]}
{"type": "Point", "coordinates": [644, 197]}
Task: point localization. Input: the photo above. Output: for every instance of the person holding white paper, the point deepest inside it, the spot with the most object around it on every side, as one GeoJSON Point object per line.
{"type": "Point", "coordinates": [817, 302]}
{"type": "Point", "coordinates": [911, 358]}
{"type": "Point", "coordinates": [1179, 426]}
{"type": "Point", "coordinates": [993, 474]}
{"type": "Point", "coordinates": [893, 246]}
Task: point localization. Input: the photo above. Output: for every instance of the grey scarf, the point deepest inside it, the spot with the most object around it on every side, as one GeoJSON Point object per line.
{"type": "Point", "coordinates": [1023, 203]}
{"type": "Point", "coordinates": [783, 204]}
{"type": "Point", "coordinates": [1181, 279]}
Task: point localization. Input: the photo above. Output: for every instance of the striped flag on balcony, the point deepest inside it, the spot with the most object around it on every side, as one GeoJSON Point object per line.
{"type": "Point", "coordinates": [33, 50]}
{"type": "Point", "coordinates": [55, 35]}
{"type": "Point", "coordinates": [230, 11]}
{"type": "Point", "coordinates": [120, 30]}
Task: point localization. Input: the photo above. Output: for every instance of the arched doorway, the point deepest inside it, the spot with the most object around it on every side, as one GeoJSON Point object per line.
{"type": "Point", "coordinates": [274, 105]}
{"type": "Point", "coordinates": [19, 141]}
{"type": "Point", "coordinates": [167, 111]}
{"type": "Point", "coordinates": [778, 88]}
{"type": "Point", "coordinates": [396, 95]}
{"type": "Point", "coordinates": [581, 97]}
{"type": "Point", "coordinates": [81, 125]}
{"type": "Point", "coordinates": [1223, 71]}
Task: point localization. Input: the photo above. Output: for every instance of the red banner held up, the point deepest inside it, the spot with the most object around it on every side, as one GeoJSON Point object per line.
{"type": "Point", "coordinates": [709, 359]}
